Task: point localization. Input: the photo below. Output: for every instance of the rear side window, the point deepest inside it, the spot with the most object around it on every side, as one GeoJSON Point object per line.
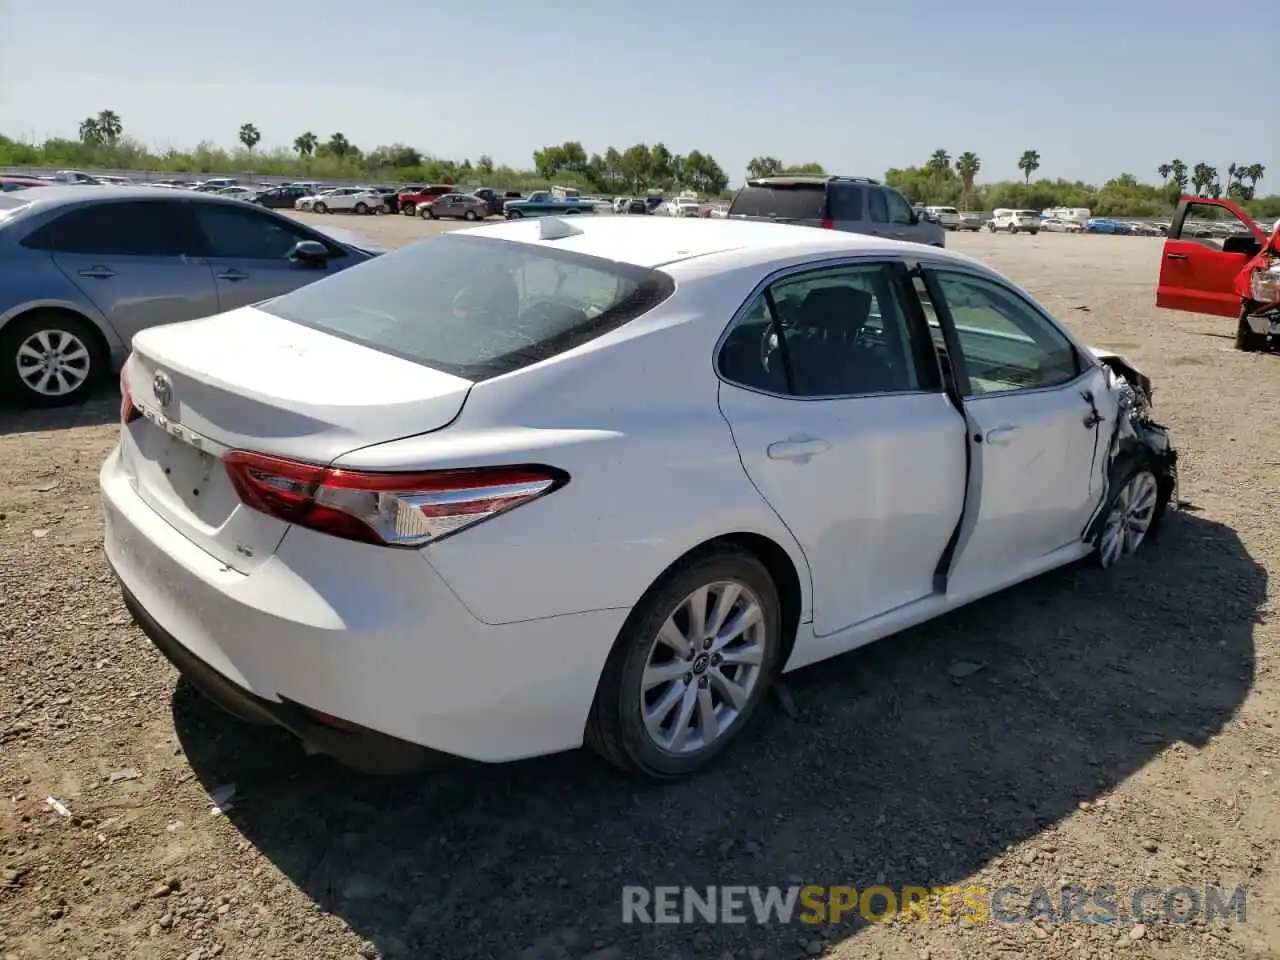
{"type": "Point", "coordinates": [239, 233]}
{"type": "Point", "coordinates": [803, 201]}
{"type": "Point", "coordinates": [138, 228]}
{"type": "Point", "coordinates": [475, 307]}
{"type": "Point", "coordinates": [846, 202]}
{"type": "Point", "coordinates": [879, 207]}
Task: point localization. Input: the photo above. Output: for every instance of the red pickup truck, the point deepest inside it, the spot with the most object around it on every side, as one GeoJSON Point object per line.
{"type": "Point", "coordinates": [1218, 261]}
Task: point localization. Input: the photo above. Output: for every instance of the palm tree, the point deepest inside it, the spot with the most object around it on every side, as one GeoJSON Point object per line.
{"type": "Point", "coordinates": [1254, 172]}
{"type": "Point", "coordinates": [967, 166]}
{"type": "Point", "coordinates": [305, 144]}
{"type": "Point", "coordinates": [90, 135]}
{"type": "Point", "coordinates": [1029, 163]}
{"type": "Point", "coordinates": [939, 162]}
{"type": "Point", "coordinates": [1164, 170]}
{"type": "Point", "coordinates": [1180, 174]}
{"type": "Point", "coordinates": [109, 126]}
{"type": "Point", "coordinates": [338, 145]}
{"type": "Point", "coordinates": [249, 136]}
{"type": "Point", "coordinates": [1201, 176]}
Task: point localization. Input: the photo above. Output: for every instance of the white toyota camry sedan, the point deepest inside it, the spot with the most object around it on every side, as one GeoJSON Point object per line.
{"type": "Point", "coordinates": [521, 487]}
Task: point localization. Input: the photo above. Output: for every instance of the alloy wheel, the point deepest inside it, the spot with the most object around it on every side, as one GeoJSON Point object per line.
{"type": "Point", "coordinates": [702, 667]}
{"type": "Point", "coordinates": [53, 363]}
{"type": "Point", "coordinates": [1129, 519]}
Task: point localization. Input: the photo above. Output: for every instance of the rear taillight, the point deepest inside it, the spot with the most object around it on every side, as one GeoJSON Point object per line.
{"type": "Point", "coordinates": [392, 509]}
{"type": "Point", "coordinates": [128, 412]}
{"type": "Point", "coordinates": [828, 224]}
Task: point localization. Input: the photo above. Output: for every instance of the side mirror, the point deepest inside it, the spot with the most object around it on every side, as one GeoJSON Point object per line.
{"type": "Point", "coordinates": [310, 252]}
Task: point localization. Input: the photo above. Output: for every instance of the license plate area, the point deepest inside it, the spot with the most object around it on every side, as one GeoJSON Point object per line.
{"type": "Point", "coordinates": [181, 474]}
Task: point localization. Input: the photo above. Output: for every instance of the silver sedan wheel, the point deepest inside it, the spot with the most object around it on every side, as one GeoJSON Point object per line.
{"type": "Point", "coordinates": [53, 363]}
{"type": "Point", "coordinates": [1130, 518]}
{"type": "Point", "coordinates": [703, 666]}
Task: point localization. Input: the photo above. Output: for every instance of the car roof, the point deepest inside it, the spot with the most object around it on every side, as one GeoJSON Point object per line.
{"type": "Point", "coordinates": [53, 196]}
{"type": "Point", "coordinates": [658, 241]}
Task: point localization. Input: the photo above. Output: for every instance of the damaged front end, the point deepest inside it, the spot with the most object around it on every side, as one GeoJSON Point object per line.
{"type": "Point", "coordinates": [1135, 435]}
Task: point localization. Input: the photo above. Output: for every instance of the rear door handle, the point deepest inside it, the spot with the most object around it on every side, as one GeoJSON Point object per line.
{"type": "Point", "coordinates": [232, 275]}
{"type": "Point", "coordinates": [1175, 256]}
{"type": "Point", "coordinates": [97, 273]}
{"type": "Point", "coordinates": [799, 448]}
{"type": "Point", "coordinates": [999, 436]}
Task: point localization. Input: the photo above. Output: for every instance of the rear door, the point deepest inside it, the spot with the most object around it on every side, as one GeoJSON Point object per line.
{"type": "Point", "coordinates": [248, 251]}
{"type": "Point", "coordinates": [1199, 264]}
{"type": "Point", "coordinates": [137, 260]}
{"type": "Point", "coordinates": [842, 425]}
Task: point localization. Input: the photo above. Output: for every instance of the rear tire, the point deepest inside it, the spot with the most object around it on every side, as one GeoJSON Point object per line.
{"type": "Point", "coordinates": [362, 208]}
{"type": "Point", "coordinates": [1246, 339]}
{"type": "Point", "coordinates": [320, 208]}
{"type": "Point", "coordinates": [644, 670]}
{"type": "Point", "coordinates": [514, 215]}
{"type": "Point", "coordinates": [409, 209]}
{"type": "Point", "coordinates": [75, 344]}
{"type": "Point", "coordinates": [471, 215]}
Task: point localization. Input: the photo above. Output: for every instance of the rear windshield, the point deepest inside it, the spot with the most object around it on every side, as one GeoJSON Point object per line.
{"type": "Point", "coordinates": [1026, 213]}
{"type": "Point", "coordinates": [475, 307]}
{"type": "Point", "coordinates": [805, 201]}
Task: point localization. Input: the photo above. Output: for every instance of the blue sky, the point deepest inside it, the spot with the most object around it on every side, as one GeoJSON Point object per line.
{"type": "Point", "coordinates": [1098, 87]}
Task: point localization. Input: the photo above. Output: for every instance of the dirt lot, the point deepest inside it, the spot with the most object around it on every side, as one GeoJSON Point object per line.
{"type": "Point", "coordinates": [1122, 732]}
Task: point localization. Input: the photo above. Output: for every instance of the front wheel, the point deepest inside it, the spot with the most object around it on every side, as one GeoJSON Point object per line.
{"type": "Point", "coordinates": [470, 215]}
{"type": "Point", "coordinates": [514, 215]}
{"type": "Point", "coordinates": [320, 208]}
{"type": "Point", "coordinates": [690, 666]}
{"type": "Point", "coordinates": [1246, 339]}
{"type": "Point", "coordinates": [1133, 511]}
{"type": "Point", "coordinates": [362, 208]}
{"type": "Point", "coordinates": [50, 359]}
{"type": "Point", "coordinates": [409, 209]}
{"type": "Point", "coordinates": [1012, 229]}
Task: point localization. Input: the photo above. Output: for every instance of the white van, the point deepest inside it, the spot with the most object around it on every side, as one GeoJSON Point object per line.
{"type": "Point", "coordinates": [1014, 221]}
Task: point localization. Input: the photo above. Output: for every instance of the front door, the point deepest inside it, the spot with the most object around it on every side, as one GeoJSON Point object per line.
{"type": "Point", "coordinates": [1200, 261]}
{"type": "Point", "coordinates": [1038, 453]}
{"type": "Point", "coordinates": [248, 251]}
{"type": "Point", "coordinates": [134, 261]}
{"type": "Point", "coordinates": [846, 435]}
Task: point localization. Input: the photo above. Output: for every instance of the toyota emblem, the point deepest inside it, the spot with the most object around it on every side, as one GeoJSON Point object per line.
{"type": "Point", "coordinates": [163, 388]}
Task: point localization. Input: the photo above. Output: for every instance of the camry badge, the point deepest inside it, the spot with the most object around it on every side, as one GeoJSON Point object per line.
{"type": "Point", "coordinates": [163, 388]}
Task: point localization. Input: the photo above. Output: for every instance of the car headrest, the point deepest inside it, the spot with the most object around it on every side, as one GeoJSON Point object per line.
{"type": "Point", "coordinates": [839, 309]}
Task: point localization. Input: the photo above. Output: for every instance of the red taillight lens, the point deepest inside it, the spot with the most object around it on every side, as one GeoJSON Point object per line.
{"type": "Point", "coordinates": [393, 509]}
{"type": "Point", "coordinates": [828, 224]}
{"type": "Point", "coordinates": [128, 412]}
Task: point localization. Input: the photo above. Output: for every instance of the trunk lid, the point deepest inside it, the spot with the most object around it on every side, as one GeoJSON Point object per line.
{"type": "Point", "coordinates": [249, 380]}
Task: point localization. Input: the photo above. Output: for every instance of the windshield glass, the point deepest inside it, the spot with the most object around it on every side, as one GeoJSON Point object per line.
{"type": "Point", "coordinates": [475, 307]}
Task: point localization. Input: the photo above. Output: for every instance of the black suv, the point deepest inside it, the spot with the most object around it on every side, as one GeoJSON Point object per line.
{"type": "Point", "coordinates": [854, 204]}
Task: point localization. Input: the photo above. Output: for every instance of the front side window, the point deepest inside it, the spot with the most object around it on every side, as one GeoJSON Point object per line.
{"type": "Point", "coordinates": [475, 307]}
{"type": "Point", "coordinates": [1005, 342]}
{"type": "Point", "coordinates": [843, 333]}
{"type": "Point", "coordinates": [242, 233]}
{"type": "Point", "coordinates": [879, 208]}
{"type": "Point", "coordinates": [137, 228]}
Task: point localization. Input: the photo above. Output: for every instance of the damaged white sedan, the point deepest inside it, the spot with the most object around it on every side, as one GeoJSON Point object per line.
{"type": "Point", "coordinates": [602, 480]}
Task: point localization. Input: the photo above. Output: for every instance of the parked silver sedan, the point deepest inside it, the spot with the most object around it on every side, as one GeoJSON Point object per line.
{"type": "Point", "coordinates": [462, 206]}
{"type": "Point", "coordinates": [82, 269]}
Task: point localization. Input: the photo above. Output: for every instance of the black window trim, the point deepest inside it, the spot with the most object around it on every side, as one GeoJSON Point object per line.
{"type": "Point", "coordinates": [922, 355]}
{"type": "Point", "coordinates": [187, 234]}
{"type": "Point", "coordinates": [929, 269]}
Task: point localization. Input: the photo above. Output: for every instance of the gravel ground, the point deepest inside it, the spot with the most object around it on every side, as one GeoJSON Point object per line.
{"type": "Point", "coordinates": [1121, 731]}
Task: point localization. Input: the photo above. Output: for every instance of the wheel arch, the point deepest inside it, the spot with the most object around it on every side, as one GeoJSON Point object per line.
{"type": "Point", "coordinates": [107, 340]}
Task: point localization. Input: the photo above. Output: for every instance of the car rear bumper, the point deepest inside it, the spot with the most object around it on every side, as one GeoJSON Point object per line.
{"type": "Point", "coordinates": [371, 636]}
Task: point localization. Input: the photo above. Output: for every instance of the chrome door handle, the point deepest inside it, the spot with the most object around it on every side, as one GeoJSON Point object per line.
{"type": "Point", "coordinates": [97, 273]}
{"type": "Point", "coordinates": [232, 275]}
{"type": "Point", "coordinates": [1001, 435]}
{"type": "Point", "coordinates": [800, 448]}
{"type": "Point", "coordinates": [1175, 256]}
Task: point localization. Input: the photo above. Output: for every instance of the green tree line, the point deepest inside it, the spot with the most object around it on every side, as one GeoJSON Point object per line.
{"type": "Point", "coordinates": [941, 180]}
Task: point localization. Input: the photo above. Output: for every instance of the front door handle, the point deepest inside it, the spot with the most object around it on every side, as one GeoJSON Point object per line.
{"type": "Point", "coordinates": [97, 273]}
{"type": "Point", "coordinates": [1175, 256]}
{"type": "Point", "coordinates": [232, 275]}
{"type": "Point", "coordinates": [999, 436]}
{"type": "Point", "coordinates": [798, 448]}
